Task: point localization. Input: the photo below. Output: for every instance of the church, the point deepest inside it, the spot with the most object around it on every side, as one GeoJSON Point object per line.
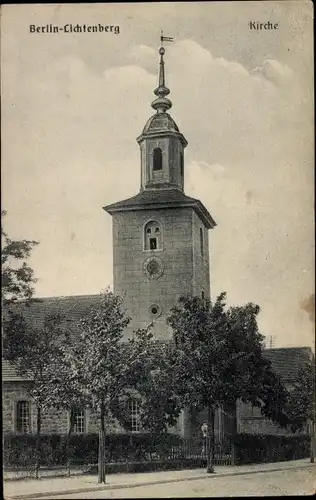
{"type": "Point", "coordinates": [160, 252]}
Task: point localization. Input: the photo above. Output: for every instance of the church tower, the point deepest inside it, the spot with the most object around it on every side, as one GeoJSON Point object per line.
{"type": "Point", "coordinates": [160, 236]}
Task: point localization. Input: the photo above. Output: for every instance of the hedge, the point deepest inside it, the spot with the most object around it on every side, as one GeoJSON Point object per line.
{"type": "Point", "coordinates": [256, 448]}
{"type": "Point", "coordinates": [20, 450]}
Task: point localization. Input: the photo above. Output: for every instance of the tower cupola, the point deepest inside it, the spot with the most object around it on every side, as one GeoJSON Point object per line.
{"type": "Point", "coordinates": [161, 143]}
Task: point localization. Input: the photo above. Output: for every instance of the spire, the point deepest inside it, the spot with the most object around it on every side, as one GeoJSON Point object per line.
{"type": "Point", "coordinates": [162, 103]}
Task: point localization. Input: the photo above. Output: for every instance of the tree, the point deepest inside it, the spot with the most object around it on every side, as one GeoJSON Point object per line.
{"type": "Point", "coordinates": [61, 391]}
{"type": "Point", "coordinates": [301, 402]}
{"type": "Point", "coordinates": [31, 349]}
{"type": "Point", "coordinates": [220, 360]}
{"type": "Point", "coordinates": [17, 276]}
{"type": "Point", "coordinates": [155, 392]}
{"type": "Point", "coordinates": [104, 370]}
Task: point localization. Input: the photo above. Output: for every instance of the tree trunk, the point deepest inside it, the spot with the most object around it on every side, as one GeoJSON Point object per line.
{"type": "Point", "coordinates": [233, 433]}
{"type": "Point", "coordinates": [38, 443]}
{"type": "Point", "coordinates": [101, 461]}
{"type": "Point", "coordinates": [210, 440]}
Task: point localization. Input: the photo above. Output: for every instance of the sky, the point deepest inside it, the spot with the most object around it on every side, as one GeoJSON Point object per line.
{"type": "Point", "coordinates": [74, 103]}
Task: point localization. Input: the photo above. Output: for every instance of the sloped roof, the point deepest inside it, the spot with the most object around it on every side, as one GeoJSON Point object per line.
{"type": "Point", "coordinates": [160, 121]}
{"type": "Point", "coordinates": [162, 198]}
{"type": "Point", "coordinates": [9, 373]}
{"type": "Point", "coordinates": [286, 361]}
{"type": "Point", "coordinates": [73, 306]}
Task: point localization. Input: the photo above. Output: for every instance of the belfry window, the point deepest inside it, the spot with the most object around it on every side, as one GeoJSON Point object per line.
{"type": "Point", "coordinates": [201, 242]}
{"type": "Point", "coordinates": [157, 159]}
{"type": "Point", "coordinates": [153, 243]}
{"type": "Point", "coordinates": [153, 236]}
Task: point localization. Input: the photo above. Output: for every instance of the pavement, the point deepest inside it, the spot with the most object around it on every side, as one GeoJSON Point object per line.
{"type": "Point", "coordinates": [49, 487]}
{"type": "Point", "coordinates": [278, 483]}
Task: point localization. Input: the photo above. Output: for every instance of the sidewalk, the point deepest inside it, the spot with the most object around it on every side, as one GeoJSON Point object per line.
{"type": "Point", "coordinates": [46, 487]}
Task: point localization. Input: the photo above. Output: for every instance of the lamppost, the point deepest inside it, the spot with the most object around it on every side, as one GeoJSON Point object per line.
{"type": "Point", "coordinates": [204, 435]}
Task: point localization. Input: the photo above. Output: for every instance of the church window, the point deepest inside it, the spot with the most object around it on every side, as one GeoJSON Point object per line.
{"type": "Point", "coordinates": [79, 420]}
{"type": "Point", "coordinates": [201, 242]}
{"type": "Point", "coordinates": [23, 416]}
{"type": "Point", "coordinates": [181, 163]}
{"type": "Point", "coordinates": [152, 236]}
{"type": "Point", "coordinates": [203, 294]}
{"type": "Point", "coordinates": [134, 420]}
{"type": "Point", "coordinates": [157, 159]}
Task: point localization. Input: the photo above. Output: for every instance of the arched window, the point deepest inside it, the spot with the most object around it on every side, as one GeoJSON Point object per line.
{"type": "Point", "coordinates": [181, 164]}
{"type": "Point", "coordinates": [201, 242]}
{"type": "Point", "coordinates": [203, 294]}
{"type": "Point", "coordinates": [23, 419]}
{"type": "Point", "coordinates": [153, 236]}
{"type": "Point", "coordinates": [157, 159]}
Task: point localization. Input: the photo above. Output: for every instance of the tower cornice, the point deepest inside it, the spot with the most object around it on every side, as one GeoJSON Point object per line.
{"type": "Point", "coordinates": [163, 133]}
{"type": "Point", "coordinates": [158, 199]}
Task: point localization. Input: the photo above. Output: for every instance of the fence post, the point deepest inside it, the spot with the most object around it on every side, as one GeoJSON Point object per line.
{"type": "Point", "coordinates": [38, 442]}
{"type": "Point", "coordinates": [210, 436]}
{"type": "Point", "coordinates": [233, 434]}
{"type": "Point", "coordinates": [312, 440]}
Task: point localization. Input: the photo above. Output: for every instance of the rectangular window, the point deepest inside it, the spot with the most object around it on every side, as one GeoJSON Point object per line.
{"type": "Point", "coordinates": [23, 416]}
{"type": "Point", "coordinates": [153, 243]}
{"type": "Point", "coordinates": [203, 294]}
{"type": "Point", "coordinates": [134, 416]}
{"type": "Point", "coordinates": [79, 420]}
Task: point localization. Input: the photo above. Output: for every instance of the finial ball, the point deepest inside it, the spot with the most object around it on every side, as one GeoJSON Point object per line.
{"type": "Point", "coordinates": [161, 51]}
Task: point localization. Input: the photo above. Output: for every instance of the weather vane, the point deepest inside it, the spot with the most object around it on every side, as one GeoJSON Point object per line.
{"type": "Point", "coordinates": [165, 38]}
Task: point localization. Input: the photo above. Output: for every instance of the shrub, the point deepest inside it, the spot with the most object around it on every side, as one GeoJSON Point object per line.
{"type": "Point", "coordinates": [256, 448]}
{"type": "Point", "coordinates": [20, 450]}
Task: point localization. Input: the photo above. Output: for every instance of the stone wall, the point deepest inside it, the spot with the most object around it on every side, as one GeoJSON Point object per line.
{"type": "Point", "coordinates": [184, 270]}
{"type": "Point", "coordinates": [201, 271]}
{"type": "Point", "coordinates": [251, 421]}
{"type": "Point", "coordinates": [53, 421]}
{"type": "Point", "coordinates": [130, 280]}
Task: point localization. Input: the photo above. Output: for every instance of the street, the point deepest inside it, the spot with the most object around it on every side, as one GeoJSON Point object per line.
{"type": "Point", "coordinates": [287, 482]}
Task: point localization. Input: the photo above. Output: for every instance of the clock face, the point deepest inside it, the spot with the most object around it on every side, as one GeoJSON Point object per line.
{"type": "Point", "coordinates": [153, 267]}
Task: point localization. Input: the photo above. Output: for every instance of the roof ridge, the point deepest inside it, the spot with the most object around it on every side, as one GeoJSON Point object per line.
{"type": "Point", "coordinates": [61, 297]}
